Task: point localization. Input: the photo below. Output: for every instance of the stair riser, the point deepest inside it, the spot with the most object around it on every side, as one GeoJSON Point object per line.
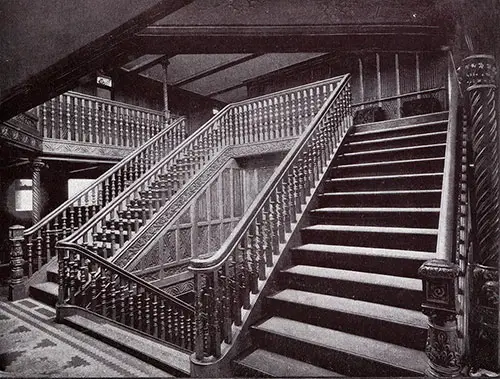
{"type": "Point", "coordinates": [420, 220]}
{"type": "Point", "coordinates": [427, 200]}
{"type": "Point", "coordinates": [424, 182]}
{"type": "Point", "coordinates": [405, 121]}
{"type": "Point", "coordinates": [381, 156]}
{"type": "Point", "coordinates": [397, 132]}
{"type": "Point", "coordinates": [387, 169]}
{"type": "Point", "coordinates": [381, 143]}
{"type": "Point", "coordinates": [52, 277]}
{"type": "Point", "coordinates": [397, 297]}
{"type": "Point", "coordinates": [381, 330]}
{"type": "Point", "coordinates": [344, 363]}
{"type": "Point", "coordinates": [402, 241]}
{"type": "Point", "coordinates": [381, 265]}
{"type": "Point", "coordinates": [43, 297]}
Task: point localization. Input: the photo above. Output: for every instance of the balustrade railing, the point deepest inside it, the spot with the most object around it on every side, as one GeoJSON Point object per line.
{"type": "Point", "coordinates": [224, 281]}
{"type": "Point", "coordinates": [40, 239]}
{"type": "Point", "coordinates": [90, 282]}
{"type": "Point", "coordinates": [266, 118]}
{"type": "Point", "coordinates": [83, 118]}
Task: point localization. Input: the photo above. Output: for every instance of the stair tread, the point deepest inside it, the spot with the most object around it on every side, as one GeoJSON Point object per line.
{"type": "Point", "coordinates": [397, 138]}
{"type": "Point", "coordinates": [352, 306]}
{"type": "Point", "coordinates": [391, 149]}
{"type": "Point", "coordinates": [390, 192]}
{"type": "Point", "coordinates": [397, 129]}
{"type": "Point", "coordinates": [371, 349]}
{"type": "Point", "coordinates": [48, 287]}
{"type": "Point", "coordinates": [395, 162]}
{"type": "Point", "coordinates": [158, 351]}
{"type": "Point", "coordinates": [383, 177]}
{"type": "Point", "coordinates": [373, 210]}
{"type": "Point", "coordinates": [278, 365]}
{"type": "Point", "coordinates": [371, 229]}
{"type": "Point", "coordinates": [368, 251]}
{"type": "Point", "coordinates": [357, 277]}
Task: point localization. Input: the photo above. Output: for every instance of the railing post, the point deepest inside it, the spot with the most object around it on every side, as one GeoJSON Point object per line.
{"type": "Point", "coordinates": [440, 285]}
{"type": "Point", "coordinates": [478, 75]}
{"type": "Point", "coordinates": [16, 283]}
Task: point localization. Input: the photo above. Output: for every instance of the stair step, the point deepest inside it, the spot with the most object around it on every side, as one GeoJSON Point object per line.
{"type": "Point", "coordinates": [377, 321]}
{"type": "Point", "coordinates": [393, 167]}
{"type": "Point", "coordinates": [338, 351]}
{"type": "Point", "coordinates": [395, 198]}
{"type": "Point", "coordinates": [52, 273]}
{"type": "Point", "coordinates": [263, 363]}
{"type": "Point", "coordinates": [382, 289]}
{"type": "Point", "coordinates": [432, 180]}
{"type": "Point", "coordinates": [368, 259]}
{"type": "Point", "coordinates": [404, 121]}
{"type": "Point", "coordinates": [167, 358]}
{"type": "Point", "coordinates": [46, 292]}
{"type": "Point", "coordinates": [371, 236]}
{"type": "Point", "coordinates": [368, 216]}
{"type": "Point", "coordinates": [359, 134]}
{"type": "Point", "coordinates": [385, 154]}
{"type": "Point", "coordinates": [394, 143]}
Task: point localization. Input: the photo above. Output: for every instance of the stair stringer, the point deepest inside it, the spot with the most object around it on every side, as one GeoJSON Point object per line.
{"type": "Point", "coordinates": [136, 248]}
{"type": "Point", "coordinates": [241, 338]}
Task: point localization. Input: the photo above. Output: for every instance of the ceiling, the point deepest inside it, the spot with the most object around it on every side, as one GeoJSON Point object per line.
{"type": "Point", "coordinates": [213, 46]}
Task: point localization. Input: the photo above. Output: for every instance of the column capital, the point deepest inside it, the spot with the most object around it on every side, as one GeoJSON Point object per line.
{"type": "Point", "coordinates": [37, 164]}
{"type": "Point", "coordinates": [478, 71]}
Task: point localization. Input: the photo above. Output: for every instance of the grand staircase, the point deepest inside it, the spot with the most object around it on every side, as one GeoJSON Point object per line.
{"type": "Point", "coordinates": [349, 303]}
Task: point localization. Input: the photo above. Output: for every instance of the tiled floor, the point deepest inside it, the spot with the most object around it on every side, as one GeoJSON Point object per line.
{"type": "Point", "coordinates": [32, 344]}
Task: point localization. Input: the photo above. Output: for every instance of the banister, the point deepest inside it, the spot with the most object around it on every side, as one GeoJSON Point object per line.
{"type": "Point", "coordinates": [45, 220]}
{"type": "Point", "coordinates": [123, 273]}
{"type": "Point", "coordinates": [228, 136]}
{"type": "Point", "coordinates": [216, 260]}
{"type": "Point", "coordinates": [447, 212]}
{"type": "Point", "coordinates": [114, 102]}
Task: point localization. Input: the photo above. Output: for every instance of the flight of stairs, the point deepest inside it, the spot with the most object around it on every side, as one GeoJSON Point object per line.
{"type": "Point", "coordinates": [350, 302]}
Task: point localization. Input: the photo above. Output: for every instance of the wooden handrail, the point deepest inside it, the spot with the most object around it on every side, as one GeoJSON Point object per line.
{"type": "Point", "coordinates": [447, 212]}
{"type": "Point", "coordinates": [45, 220]}
{"type": "Point", "coordinates": [216, 260]}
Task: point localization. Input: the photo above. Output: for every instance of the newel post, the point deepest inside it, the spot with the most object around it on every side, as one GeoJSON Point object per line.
{"type": "Point", "coordinates": [478, 75]}
{"type": "Point", "coordinates": [16, 283]}
{"type": "Point", "coordinates": [440, 284]}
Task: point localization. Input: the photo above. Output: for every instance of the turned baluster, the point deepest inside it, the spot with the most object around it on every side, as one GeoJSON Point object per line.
{"type": "Point", "coordinates": [121, 231]}
{"type": "Point", "coordinates": [73, 266]}
{"type": "Point", "coordinates": [147, 314]}
{"type": "Point", "coordinates": [38, 250]}
{"type": "Point", "coordinates": [29, 255]}
{"type": "Point", "coordinates": [143, 137]}
{"type": "Point", "coordinates": [149, 203]}
{"type": "Point", "coordinates": [106, 194]}
{"type": "Point", "coordinates": [235, 287]}
{"type": "Point", "coordinates": [287, 220]}
{"type": "Point", "coordinates": [45, 128]}
{"type": "Point", "coordinates": [267, 236]}
{"type": "Point", "coordinates": [112, 296]}
{"type": "Point", "coordinates": [60, 123]}
{"type": "Point", "coordinates": [226, 303]}
{"type": "Point", "coordinates": [154, 307]}
{"type": "Point", "coordinates": [276, 125]}
{"type": "Point", "coordinates": [280, 217]}
{"type": "Point", "coordinates": [253, 265]}
{"type": "Point", "coordinates": [162, 328]}
{"type": "Point", "coordinates": [170, 325]}
{"type": "Point", "coordinates": [123, 296]}
{"type": "Point", "coordinates": [296, 189]}
{"type": "Point", "coordinates": [214, 321]}
{"type": "Point", "coordinates": [139, 322]}
{"type": "Point", "coordinates": [260, 120]}
{"type": "Point", "coordinates": [273, 224]}
{"type": "Point", "coordinates": [69, 125]}
{"type": "Point", "coordinates": [260, 246]}
{"type": "Point", "coordinates": [244, 280]}
{"type": "Point", "coordinates": [48, 240]}
{"type": "Point", "coordinates": [112, 187]}
{"type": "Point", "coordinates": [240, 125]}
{"type": "Point", "coordinates": [301, 176]}
{"type": "Point", "coordinates": [131, 305]}
{"type": "Point", "coordinates": [182, 330]}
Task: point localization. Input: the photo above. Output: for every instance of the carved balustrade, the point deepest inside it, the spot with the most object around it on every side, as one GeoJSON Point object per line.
{"type": "Point", "coordinates": [90, 282]}
{"type": "Point", "coordinates": [39, 240]}
{"type": "Point", "coordinates": [255, 120]}
{"type": "Point", "coordinates": [224, 281]}
{"type": "Point", "coordinates": [82, 118]}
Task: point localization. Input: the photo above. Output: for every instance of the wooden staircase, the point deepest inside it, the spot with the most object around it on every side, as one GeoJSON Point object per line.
{"type": "Point", "coordinates": [349, 304]}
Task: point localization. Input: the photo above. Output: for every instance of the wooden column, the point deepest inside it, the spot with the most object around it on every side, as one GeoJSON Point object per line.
{"type": "Point", "coordinates": [37, 165]}
{"type": "Point", "coordinates": [164, 65]}
{"type": "Point", "coordinates": [16, 283]}
{"type": "Point", "coordinates": [478, 76]}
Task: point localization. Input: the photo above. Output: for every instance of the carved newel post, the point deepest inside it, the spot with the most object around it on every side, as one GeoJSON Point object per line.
{"type": "Point", "coordinates": [16, 282]}
{"type": "Point", "coordinates": [37, 166]}
{"type": "Point", "coordinates": [478, 76]}
{"type": "Point", "coordinates": [440, 284]}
